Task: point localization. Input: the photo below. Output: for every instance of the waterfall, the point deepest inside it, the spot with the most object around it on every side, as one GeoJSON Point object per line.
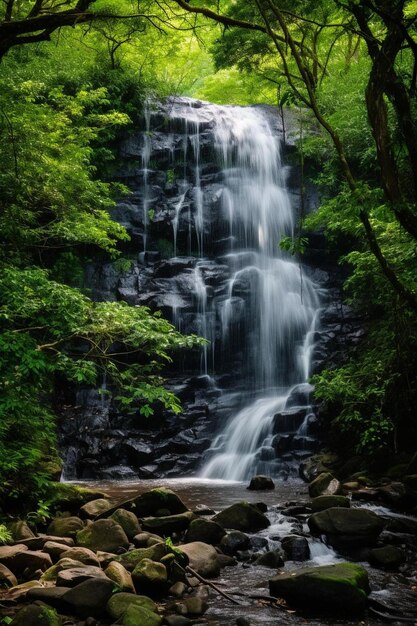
{"type": "Point", "coordinates": [253, 302]}
{"type": "Point", "coordinates": [210, 199]}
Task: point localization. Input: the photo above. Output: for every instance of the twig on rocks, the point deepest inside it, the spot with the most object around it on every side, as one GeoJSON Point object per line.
{"type": "Point", "coordinates": [212, 585]}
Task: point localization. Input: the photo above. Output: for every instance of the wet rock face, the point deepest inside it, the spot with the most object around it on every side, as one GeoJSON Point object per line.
{"type": "Point", "coordinates": [177, 262]}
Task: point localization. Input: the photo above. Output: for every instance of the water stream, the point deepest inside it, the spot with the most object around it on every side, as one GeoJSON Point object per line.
{"type": "Point", "coordinates": [269, 310]}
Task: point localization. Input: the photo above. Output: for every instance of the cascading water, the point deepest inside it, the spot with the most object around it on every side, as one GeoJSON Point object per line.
{"type": "Point", "coordinates": [208, 207]}
{"type": "Point", "coordinates": [269, 303]}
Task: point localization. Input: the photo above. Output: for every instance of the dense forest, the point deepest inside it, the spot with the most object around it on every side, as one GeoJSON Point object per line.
{"type": "Point", "coordinates": [74, 79]}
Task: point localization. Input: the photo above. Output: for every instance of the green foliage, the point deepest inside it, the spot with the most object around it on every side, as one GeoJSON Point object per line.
{"type": "Point", "coordinates": [5, 535]}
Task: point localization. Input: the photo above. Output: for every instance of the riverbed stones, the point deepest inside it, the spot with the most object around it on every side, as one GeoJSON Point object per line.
{"type": "Point", "coordinates": [154, 553]}
{"type": "Point", "coordinates": [347, 527]}
{"type": "Point", "coordinates": [321, 503]}
{"type": "Point", "coordinates": [234, 542]}
{"type": "Point", "coordinates": [202, 558]}
{"type": "Point", "coordinates": [83, 555]}
{"type": "Point", "coordinates": [149, 503]}
{"type": "Point", "coordinates": [168, 524]}
{"type": "Point", "coordinates": [75, 576]}
{"type": "Point", "coordinates": [120, 602]}
{"type": "Point", "coordinates": [91, 509]}
{"type": "Point", "coordinates": [274, 559]}
{"type": "Point", "coordinates": [20, 530]}
{"type": "Point", "coordinates": [339, 589]}
{"type": "Point", "coordinates": [296, 548]}
{"type": "Point", "coordinates": [55, 550]}
{"type": "Point", "coordinates": [65, 563]}
{"type": "Point", "coordinates": [150, 575]}
{"type": "Point", "coordinates": [242, 516]}
{"type": "Point", "coordinates": [119, 574]}
{"type": "Point", "coordinates": [261, 483]}
{"type": "Point", "coordinates": [65, 526]}
{"type": "Point", "coordinates": [104, 534]}
{"type": "Point", "coordinates": [49, 595]}
{"type": "Point", "coordinates": [139, 615]}
{"type": "Point", "coordinates": [9, 555]}
{"type": "Point", "coordinates": [90, 597]}
{"type": "Point", "coordinates": [324, 485]}
{"type": "Point", "coordinates": [34, 615]}
{"type": "Point", "coordinates": [7, 578]}
{"type": "Point", "coordinates": [128, 521]}
{"type": "Point", "coordinates": [386, 557]}
{"type": "Point", "coordinates": [204, 530]}
{"type": "Point", "coordinates": [146, 540]}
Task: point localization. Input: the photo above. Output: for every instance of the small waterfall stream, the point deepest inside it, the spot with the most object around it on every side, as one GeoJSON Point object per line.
{"type": "Point", "coordinates": [267, 294]}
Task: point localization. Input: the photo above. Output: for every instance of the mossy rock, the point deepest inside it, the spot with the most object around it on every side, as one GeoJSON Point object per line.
{"type": "Point", "coordinates": [205, 530]}
{"type": "Point", "coordinates": [242, 516]}
{"type": "Point", "coordinates": [119, 574]}
{"type": "Point", "coordinates": [338, 589]}
{"type": "Point", "coordinates": [150, 574]}
{"type": "Point", "coordinates": [169, 524]}
{"type": "Point", "coordinates": [128, 521]}
{"type": "Point", "coordinates": [396, 471]}
{"type": "Point", "coordinates": [64, 497]}
{"type": "Point", "coordinates": [34, 615]}
{"type": "Point", "coordinates": [321, 503]}
{"type": "Point", "coordinates": [324, 485]}
{"type": "Point", "coordinates": [105, 535]}
{"type": "Point", "coordinates": [357, 527]}
{"type": "Point", "coordinates": [139, 615]}
{"type": "Point", "coordinates": [93, 508]}
{"type": "Point", "coordinates": [149, 503]}
{"type": "Point", "coordinates": [155, 553]}
{"type": "Point", "coordinates": [65, 526]}
{"type": "Point", "coordinates": [120, 602]}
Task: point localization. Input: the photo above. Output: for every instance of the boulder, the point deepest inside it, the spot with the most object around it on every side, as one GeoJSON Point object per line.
{"type": "Point", "coordinates": [120, 602]}
{"type": "Point", "coordinates": [20, 530]}
{"type": "Point", "coordinates": [324, 485]}
{"type": "Point", "coordinates": [347, 527]}
{"type": "Point", "coordinates": [136, 615]}
{"type": "Point", "coordinates": [83, 555]}
{"type": "Point", "coordinates": [37, 543]}
{"type": "Point", "coordinates": [149, 503]}
{"type": "Point", "coordinates": [146, 540]}
{"type": "Point", "coordinates": [204, 530]}
{"type": "Point", "coordinates": [29, 560]}
{"type": "Point", "coordinates": [296, 548]}
{"type": "Point", "coordinates": [242, 516]}
{"type": "Point", "coordinates": [74, 576]}
{"type": "Point", "coordinates": [91, 509]}
{"type": "Point", "coordinates": [155, 553]}
{"type": "Point", "coordinates": [123, 579]}
{"type": "Point", "coordinates": [270, 559]}
{"type": "Point", "coordinates": [90, 597]}
{"type": "Point", "coordinates": [337, 589]}
{"type": "Point", "coordinates": [386, 557]}
{"type": "Point", "coordinates": [65, 526]}
{"type": "Point", "coordinates": [7, 578]}
{"type": "Point", "coordinates": [128, 521]}
{"type": "Point", "coordinates": [104, 534]}
{"type": "Point", "coordinates": [261, 483]}
{"type": "Point", "coordinates": [51, 573]}
{"type": "Point", "coordinates": [10, 554]}
{"type": "Point", "coordinates": [49, 595]}
{"type": "Point", "coordinates": [235, 541]}
{"type": "Point", "coordinates": [34, 615]}
{"type": "Point", "coordinates": [168, 524]}
{"type": "Point", "coordinates": [321, 503]}
{"type": "Point", "coordinates": [202, 558]}
{"type": "Point", "coordinates": [55, 550]}
{"type": "Point", "coordinates": [150, 575]}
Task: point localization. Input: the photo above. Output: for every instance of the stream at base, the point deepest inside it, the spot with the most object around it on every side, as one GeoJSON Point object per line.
{"type": "Point", "coordinates": [388, 588]}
